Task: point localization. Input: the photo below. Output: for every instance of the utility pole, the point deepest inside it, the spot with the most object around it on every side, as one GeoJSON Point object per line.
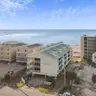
{"type": "Point", "coordinates": [9, 71]}
{"type": "Point", "coordinates": [23, 92]}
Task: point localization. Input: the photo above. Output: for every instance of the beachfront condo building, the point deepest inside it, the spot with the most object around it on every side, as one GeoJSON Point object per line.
{"type": "Point", "coordinates": [23, 51]}
{"type": "Point", "coordinates": [50, 60]}
{"type": "Point", "coordinates": [8, 50]}
{"type": "Point", "coordinates": [88, 46]}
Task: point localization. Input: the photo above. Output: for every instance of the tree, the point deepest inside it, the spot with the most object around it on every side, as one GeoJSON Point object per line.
{"type": "Point", "coordinates": [70, 76]}
{"type": "Point", "coordinates": [77, 81]}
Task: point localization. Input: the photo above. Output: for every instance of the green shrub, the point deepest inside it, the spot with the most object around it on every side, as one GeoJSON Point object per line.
{"type": "Point", "coordinates": [44, 90]}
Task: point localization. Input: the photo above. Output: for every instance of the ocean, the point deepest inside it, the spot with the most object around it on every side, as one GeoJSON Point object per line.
{"type": "Point", "coordinates": [44, 36]}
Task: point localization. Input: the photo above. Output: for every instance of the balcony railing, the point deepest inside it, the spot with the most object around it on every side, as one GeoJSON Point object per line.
{"type": "Point", "coordinates": [36, 66]}
{"type": "Point", "coordinates": [38, 71]}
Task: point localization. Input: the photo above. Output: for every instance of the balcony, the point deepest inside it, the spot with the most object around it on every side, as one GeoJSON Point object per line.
{"type": "Point", "coordinates": [21, 59]}
{"type": "Point", "coordinates": [36, 70]}
{"type": "Point", "coordinates": [36, 66]}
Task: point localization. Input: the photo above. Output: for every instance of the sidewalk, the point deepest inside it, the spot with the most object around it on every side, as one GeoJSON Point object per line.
{"type": "Point", "coordinates": [7, 91]}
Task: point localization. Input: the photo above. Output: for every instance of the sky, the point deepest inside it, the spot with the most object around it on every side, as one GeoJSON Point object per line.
{"type": "Point", "coordinates": [47, 14]}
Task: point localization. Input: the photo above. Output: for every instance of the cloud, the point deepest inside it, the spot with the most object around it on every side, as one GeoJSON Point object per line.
{"type": "Point", "coordinates": [73, 18]}
{"type": "Point", "coordinates": [12, 6]}
{"type": "Point", "coordinates": [59, 18]}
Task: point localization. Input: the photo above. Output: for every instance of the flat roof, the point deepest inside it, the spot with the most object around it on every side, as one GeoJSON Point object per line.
{"type": "Point", "coordinates": [88, 36]}
{"type": "Point", "coordinates": [30, 46]}
{"type": "Point", "coordinates": [11, 45]}
{"type": "Point", "coordinates": [34, 45]}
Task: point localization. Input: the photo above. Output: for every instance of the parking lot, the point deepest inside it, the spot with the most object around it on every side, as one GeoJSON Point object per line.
{"type": "Point", "coordinates": [5, 67]}
{"type": "Point", "coordinates": [36, 80]}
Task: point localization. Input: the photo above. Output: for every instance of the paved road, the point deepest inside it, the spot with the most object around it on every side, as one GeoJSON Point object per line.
{"type": "Point", "coordinates": [7, 91]}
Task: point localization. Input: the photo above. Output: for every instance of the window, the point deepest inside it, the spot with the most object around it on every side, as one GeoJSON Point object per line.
{"type": "Point", "coordinates": [64, 55]}
{"type": "Point", "coordinates": [37, 59]}
{"type": "Point", "coordinates": [85, 49]}
{"type": "Point", "coordinates": [65, 58]}
{"type": "Point", "coordinates": [85, 38]}
{"type": "Point", "coordinates": [25, 54]}
{"type": "Point", "coordinates": [37, 69]}
{"type": "Point", "coordinates": [25, 50]}
{"type": "Point", "coordinates": [68, 51]}
{"type": "Point", "coordinates": [85, 42]}
{"type": "Point", "coordinates": [85, 52]}
{"type": "Point", "coordinates": [60, 67]}
{"type": "Point", "coordinates": [65, 62]}
{"type": "Point", "coordinates": [18, 50]}
{"type": "Point", "coordinates": [60, 62]}
{"type": "Point", "coordinates": [18, 54]}
{"type": "Point", "coordinates": [68, 59]}
{"type": "Point", "coordinates": [85, 45]}
{"type": "Point", "coordinates": [59, 58]}
{"type": "Point", "coordinates": [37, 64]}
{"type": "Point", "coordinates": [7, 49]}
{"type": "Point", "coordinates": [7, 53]}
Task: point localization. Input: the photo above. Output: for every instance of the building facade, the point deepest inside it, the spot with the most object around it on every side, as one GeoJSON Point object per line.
{"type": "Point", "coordinates": [23, 51]}
{"type": "Point", "coordinates": [8, 50]}
{"type": "Point", "coordinates": [50, 60]}
{"type": "Point", "coordinates": [76, 54]}
{"type": "Point", "coordinates": [94, 57]}
{"type": "Point", "coordinates": [88, 46]}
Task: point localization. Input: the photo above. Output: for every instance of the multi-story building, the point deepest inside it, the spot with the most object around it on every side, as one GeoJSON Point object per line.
{"type": "Point", "coordinates": [8, 50]}
{"type": "Point", "coordinates": [50, 60]}
{"type": "Point", "coordinates": [94, 57]}
{"type": "Point", "coordinates": [88, 46]}
{"type": "Point", "coordinates": [23, 51]}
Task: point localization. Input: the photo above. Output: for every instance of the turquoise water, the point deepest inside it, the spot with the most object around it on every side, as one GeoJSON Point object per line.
{"type": "Point", "coordinates": [44, 36]}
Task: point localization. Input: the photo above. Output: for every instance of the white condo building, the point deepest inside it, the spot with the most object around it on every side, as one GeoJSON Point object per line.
{"type": "Point", "coordinates": [94, 57]}
{"type": "Point", "coordinates": [50, 60]}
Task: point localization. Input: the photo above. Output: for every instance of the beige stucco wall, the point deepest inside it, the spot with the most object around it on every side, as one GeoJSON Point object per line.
{"type": "Point", "coordinates": [8, 53]}
{"type": "Point", "coordinates": [23, 54]}
{"type": "Point", "coordinates": [48, 64]}
{"type": "Point", "coordinates": [82, 46]}
{"type": "Point", "coordinates": [76, 54]}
